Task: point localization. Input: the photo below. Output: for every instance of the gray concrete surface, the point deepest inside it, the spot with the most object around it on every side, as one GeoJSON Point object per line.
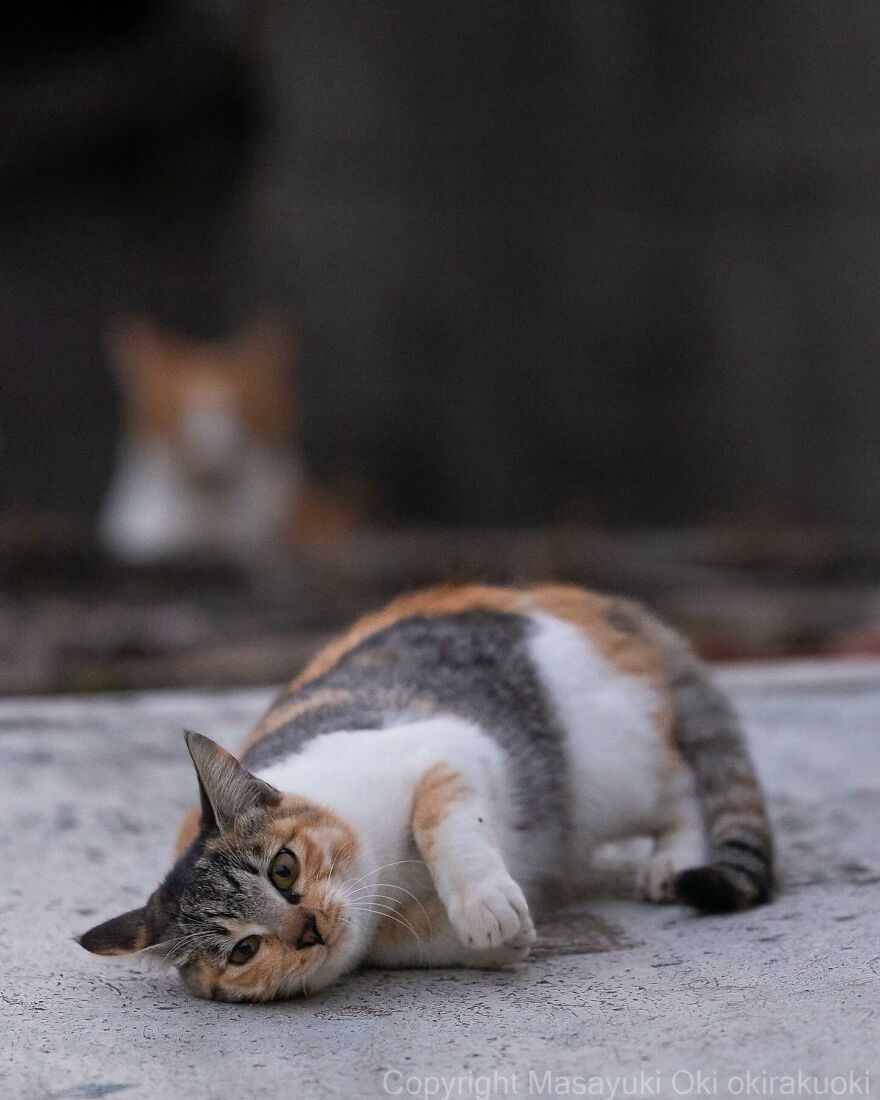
{"type": "Point", "coordinates": [620, 997]}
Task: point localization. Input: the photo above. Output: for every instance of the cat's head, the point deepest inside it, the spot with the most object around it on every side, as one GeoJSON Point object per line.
{"type": "Point", "coordinates": [205, 401]}
{"type": "Point", "coordinates": [256, 908]}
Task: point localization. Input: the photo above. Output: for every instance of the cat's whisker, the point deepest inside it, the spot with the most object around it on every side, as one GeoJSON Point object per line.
{"type": "Point", "coordinates": [393, 886]}
{"type": "Point", "coordinates": [390, 909]}
{"type": "Point", "coordinates": [180, 947]}
{"type": "Point", "coordinates": [389, 886]}
{"type": "Point", "coordinates": [381, 905]}
{"type": "Point", "coordinates": [397, 919]}
{"type": "Point", "coordinates": [386, 912]}
{"type": "Point", "coordinates": [372, 897]}
{"type": "Point", "coordinates": [396, 903]}
{"type": "Point", "coordinates": [384, 867]}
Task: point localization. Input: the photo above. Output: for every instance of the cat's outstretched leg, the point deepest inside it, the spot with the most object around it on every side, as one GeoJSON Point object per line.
{"type": "Point", "coordinates": [456, 831]}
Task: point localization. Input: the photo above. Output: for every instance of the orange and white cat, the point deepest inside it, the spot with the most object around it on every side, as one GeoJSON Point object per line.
{"type": "Point", "coordinates": [206, 465]}
{"type": "Point", "coordinates": [406, 799]}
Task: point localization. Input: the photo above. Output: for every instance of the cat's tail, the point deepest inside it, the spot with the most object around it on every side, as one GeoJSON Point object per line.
{"type": "Point", "coordinates": [740, 869]}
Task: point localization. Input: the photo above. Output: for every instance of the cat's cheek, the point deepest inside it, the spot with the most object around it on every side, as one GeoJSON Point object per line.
{"type": "Point", "coordinates": [196, 981]}
{"type": "Point", "coordinates": [351, 934]}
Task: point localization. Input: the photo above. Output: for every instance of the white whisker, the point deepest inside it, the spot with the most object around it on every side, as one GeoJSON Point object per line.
{"type": "Point", "coordinates": [384, 867]}
{"type": "Point", "coordinates": [397, 919]}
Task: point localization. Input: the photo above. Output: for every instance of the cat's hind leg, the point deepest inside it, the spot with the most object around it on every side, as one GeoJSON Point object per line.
{"type": "Point", "coordinates": [678, 846]}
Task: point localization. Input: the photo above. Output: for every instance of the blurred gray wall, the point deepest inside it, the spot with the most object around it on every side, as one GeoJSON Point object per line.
{"type": "Point", "coordinates": [609, 260]}
{"type": "Point", "coordinates": [616, 259]}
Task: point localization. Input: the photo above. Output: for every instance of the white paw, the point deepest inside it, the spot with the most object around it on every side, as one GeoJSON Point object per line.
{"type": "Point", "coordinates": [493, 958]}
{"type": "Point", "coordinates": [491, 914]}
{"type": "Point", "coordinates": [655, 878]}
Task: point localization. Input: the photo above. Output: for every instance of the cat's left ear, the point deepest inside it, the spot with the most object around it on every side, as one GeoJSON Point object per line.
{"type": "Point", "coordinates": [227, 789]}
{"type": "Point", "coordinates": [131, 931]}
{"type": "Point", "coordinates": [268, 340]}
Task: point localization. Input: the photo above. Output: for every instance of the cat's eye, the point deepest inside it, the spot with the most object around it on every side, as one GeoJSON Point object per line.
{"type": "Point", "coordinates": [244, 950]}
{"type": "Point", "coordinates": [284, 870]}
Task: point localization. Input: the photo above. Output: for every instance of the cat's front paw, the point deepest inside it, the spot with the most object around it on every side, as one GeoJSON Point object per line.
{"type": "Point", "coordinates": [492, 913]}
{"type": "Point", "coordinates": [508, 954]}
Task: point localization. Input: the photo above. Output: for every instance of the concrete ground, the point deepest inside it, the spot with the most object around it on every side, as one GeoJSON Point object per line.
{"type": "Point", "coordinates": [620, 998]}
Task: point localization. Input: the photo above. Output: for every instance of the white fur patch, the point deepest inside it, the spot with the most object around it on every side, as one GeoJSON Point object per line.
{"type": "Point", "coordinates": [368, 776]}
{"type": "Point", "coordinates": [154, 510]}
{"type": "Point", "coordinates": [614, 748]}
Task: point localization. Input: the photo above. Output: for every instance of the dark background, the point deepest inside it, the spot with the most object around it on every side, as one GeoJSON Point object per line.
{"type": "Point", "coordinates": [605, 264]}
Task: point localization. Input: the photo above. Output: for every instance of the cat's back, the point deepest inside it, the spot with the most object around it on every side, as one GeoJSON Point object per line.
{"type": "Point", "coordinates": [528, 665]}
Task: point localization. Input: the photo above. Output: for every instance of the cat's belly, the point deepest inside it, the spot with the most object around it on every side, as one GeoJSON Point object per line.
{"type": "Point", "coordinates": [616, 753]}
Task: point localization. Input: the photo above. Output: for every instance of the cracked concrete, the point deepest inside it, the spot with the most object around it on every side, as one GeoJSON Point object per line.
{"type": "Point", "coordinates": [90, 790]}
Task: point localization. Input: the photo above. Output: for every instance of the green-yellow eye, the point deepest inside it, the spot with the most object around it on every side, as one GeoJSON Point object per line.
{"type": "Point", "coordinates": [284, 870]}
{"type": "Point", "coordinates": [244, 950]}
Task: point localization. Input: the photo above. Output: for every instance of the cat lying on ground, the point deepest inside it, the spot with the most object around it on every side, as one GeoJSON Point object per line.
{"type": "Point", "coordinates": [402, 800]}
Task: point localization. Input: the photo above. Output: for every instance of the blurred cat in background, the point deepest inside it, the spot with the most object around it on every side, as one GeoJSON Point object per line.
{"type": "Point", "coordinates": [206, 466]}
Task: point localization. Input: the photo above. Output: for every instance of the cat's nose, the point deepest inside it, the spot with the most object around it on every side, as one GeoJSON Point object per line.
{"type": "Point", "coordinates": [309, 934]}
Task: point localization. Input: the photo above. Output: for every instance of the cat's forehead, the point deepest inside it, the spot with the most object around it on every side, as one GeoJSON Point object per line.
{"type": "Point", "coordinates": [209, 895]}
{"type": "Point", "coordinates": [227, 870]}
{"type": "Point", "coordinates": [222, 868]}
{"type": "Point", "coordinates": [208, 878]}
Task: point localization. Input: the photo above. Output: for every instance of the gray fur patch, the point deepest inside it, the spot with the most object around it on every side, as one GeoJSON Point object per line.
{"type": "Point", "coordinates": [206, 891]}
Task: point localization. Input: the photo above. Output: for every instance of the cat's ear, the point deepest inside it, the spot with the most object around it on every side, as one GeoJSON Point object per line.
{"type": "Point", "coordinates": [138, 346]}
{"type": "Point", "coordinates": [266, 341]}
{"type": "Point", "coordinates": [227, 789]}
{"type": "Point", "coordinates": [131, 931]}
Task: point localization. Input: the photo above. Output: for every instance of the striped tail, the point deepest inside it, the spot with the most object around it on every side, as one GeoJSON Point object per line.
{"type": "Point", "coordinates": [740, 871]}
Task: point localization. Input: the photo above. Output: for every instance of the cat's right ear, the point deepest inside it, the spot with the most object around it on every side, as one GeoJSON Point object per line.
{"type": "Point", "coordinates": [138, 346]}
{"type": "Point", "coordinates": [131, 931]}
{"type": "Point", "coordinates": [226, 788]}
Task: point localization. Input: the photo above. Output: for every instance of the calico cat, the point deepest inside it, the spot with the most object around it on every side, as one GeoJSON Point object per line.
{"type": "Point", "coordinates": [205, 466]}
{"type": "Point", "coordinates": [404, 799]}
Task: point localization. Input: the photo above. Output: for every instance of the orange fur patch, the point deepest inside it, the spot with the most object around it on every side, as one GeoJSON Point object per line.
{"type": "Point", "coordinates": [187, 831]}
{"type": "Point", "coordinates": [438, 789]}
{"type": "Point", "coordinates": [629, 653]}
{"type": "Point", "coordinates": [162, 370]}
{"type": "Point", "coordinates": [323, 840]}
